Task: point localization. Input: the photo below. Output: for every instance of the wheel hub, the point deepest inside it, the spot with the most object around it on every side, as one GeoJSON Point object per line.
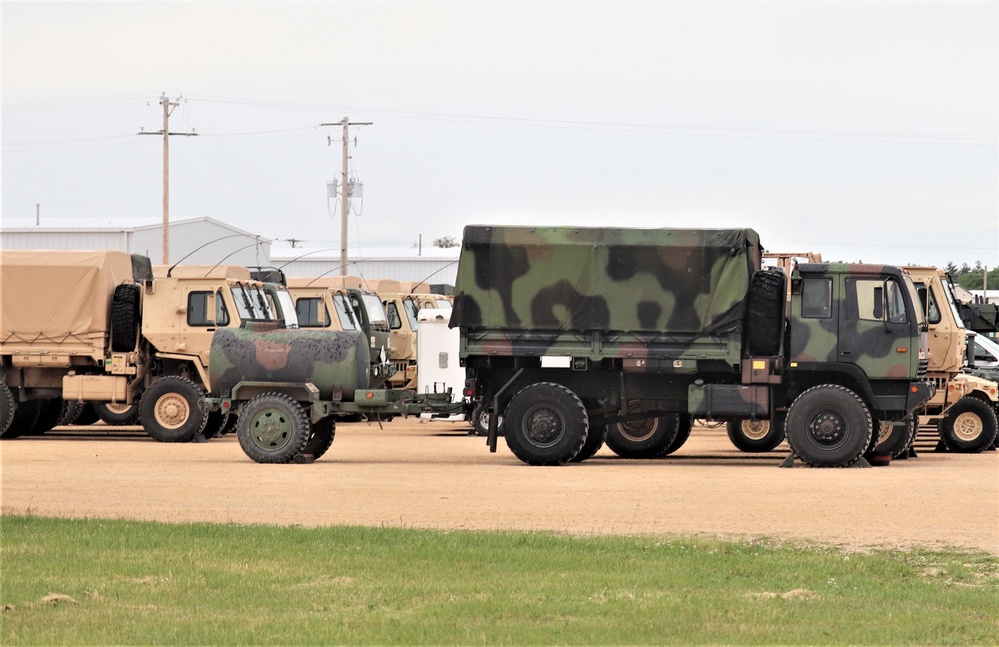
{"type": "Point", "coordinates": [827, 428]}
{"type": "Point", "coordinates": [755, 429]}
{"type": "Point", "coordinates": [172, 411]}
{"type": "Point", "coordinates": [968, 427]}
{"type": "Point", "coordinates": [544, 426]}
{"type": "Point", "coordinates": [271, 429]}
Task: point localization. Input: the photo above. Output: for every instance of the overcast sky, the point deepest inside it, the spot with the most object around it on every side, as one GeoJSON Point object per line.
{"type": "Point", "coordinates": [863, 131]}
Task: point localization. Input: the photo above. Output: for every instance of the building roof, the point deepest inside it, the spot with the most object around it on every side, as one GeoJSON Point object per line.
{"type": "Point", "coordinates": [108, 224]}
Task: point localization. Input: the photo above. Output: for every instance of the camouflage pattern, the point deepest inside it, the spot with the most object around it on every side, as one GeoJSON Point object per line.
{"type": "Point", "coordinates": [834, 319]}
{"type": "Point", "coordinates": [649, 292]}
{"type": "Point", "coordinates": [331, 360]}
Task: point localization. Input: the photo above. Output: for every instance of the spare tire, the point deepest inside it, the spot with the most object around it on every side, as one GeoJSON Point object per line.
{"type": "Point", "coordinates": [125, 318]}
{"type": "Point", "coordinates": [765, 312]}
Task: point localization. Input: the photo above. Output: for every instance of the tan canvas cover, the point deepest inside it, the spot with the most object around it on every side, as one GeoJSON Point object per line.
{"type": "Point", "coordinates": [58, 297]}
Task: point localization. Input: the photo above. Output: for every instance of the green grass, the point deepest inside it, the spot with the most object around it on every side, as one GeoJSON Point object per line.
{"type": "Point", "coordinates": [147, 583]}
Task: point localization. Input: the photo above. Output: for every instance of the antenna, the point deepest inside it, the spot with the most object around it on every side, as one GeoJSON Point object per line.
{"type": "Point", "coordinates": [202, 247]}
{"type": "Point", "coordinates": [413, 289]}
{"type": "Point", "coordinates": [227, 256]}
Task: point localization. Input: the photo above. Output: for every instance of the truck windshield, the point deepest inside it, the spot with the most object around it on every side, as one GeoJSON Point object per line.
{"type": "Point", "coordinates": [344, 312]}
{"type": "Point", "coordinates": [251, 303]}
{"type": "Point", "coordinates": [914, 297]}
{"type": "Point", "coordinates": [376, 312]}
{"type": "Point", "coordinates": [952, 301]}
{"type": "Point", "coordinates": [287, 307]}
{"type": "Point", "coordinates": [412, 310]}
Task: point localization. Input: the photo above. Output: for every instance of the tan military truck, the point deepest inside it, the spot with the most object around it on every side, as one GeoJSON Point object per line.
{"type": "Point", "coordinates": [104, 327]}
{"type": "Point", "coordinates": [963, 410]}
{"type": "Point", "coordinates": [344, 303]}
{"type": "Point", "coordinates": [403, 302]}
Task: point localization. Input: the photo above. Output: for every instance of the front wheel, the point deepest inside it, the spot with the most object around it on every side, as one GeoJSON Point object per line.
{"type": "Point", "coordinates": [828, 426]}
{"type": "Point", "coordinates": [273, 428]}
{"type": "Point", "coordinates": [321, 439]}
{"type": "Point", "coordinates": [969, 427]}
{"type": "Point", "coordinates": [753, 436]}
{"type": "Point", "coordinates": [546, 424]}
{"type": "Point", "coordinates": [172, 409]}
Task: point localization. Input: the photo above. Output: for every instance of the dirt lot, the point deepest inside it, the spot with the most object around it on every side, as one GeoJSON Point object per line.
{"type": "Point", "coordinates": [432, 475]}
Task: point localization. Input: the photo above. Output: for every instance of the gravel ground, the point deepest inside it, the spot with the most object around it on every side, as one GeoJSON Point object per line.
{"type": "Point", "coordinates": [433, 475]}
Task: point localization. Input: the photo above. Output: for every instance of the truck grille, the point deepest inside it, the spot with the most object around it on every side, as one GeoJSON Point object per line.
{"type": "Point", "coordinates": [921, 371]}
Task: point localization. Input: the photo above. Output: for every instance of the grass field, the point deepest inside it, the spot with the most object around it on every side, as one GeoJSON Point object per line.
{"type": "Point", "coordinates": [122, 582]}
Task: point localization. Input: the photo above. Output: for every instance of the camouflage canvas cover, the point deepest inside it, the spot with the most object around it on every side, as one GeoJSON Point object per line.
{"type": "Point", "coordinates": [59, 299]}
{"type": "Point", "coordinates": [683, 281]}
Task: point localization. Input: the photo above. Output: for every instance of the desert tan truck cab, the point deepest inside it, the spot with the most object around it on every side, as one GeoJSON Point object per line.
{"type": "Point", "coordinates": [108, 328]}
{"type": "Point", "coordinates": [403, 302]}
{"type": "Point", "coordinates": [344, 303]}
{"type": "Point", "coordinates": [963, 410]}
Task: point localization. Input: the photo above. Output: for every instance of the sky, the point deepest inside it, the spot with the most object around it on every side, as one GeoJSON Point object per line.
{"type": "Point", "coordinates": [863, 131]}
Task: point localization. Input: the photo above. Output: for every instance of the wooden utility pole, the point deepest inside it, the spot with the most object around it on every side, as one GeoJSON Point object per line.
{"type": "Point", "coordinates": [345, 190]}
{"type": "Point", "coordinates": [168, 107]}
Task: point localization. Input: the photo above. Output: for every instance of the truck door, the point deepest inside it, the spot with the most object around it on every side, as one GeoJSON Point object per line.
{"type": "Point", "coordinates": [874, 327]}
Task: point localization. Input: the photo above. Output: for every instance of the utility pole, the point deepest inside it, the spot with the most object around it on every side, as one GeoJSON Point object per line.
{"type": "Point", "coordinates": [345, 190]}
{"type": "Point", "coordinates": [168, 107]}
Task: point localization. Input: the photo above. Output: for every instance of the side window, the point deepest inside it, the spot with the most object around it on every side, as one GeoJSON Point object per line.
{"type": "Point", "coordinates": [816, 298]}
{"type": "Point", "coordinates": [395, 323]}
{"type": "Point", "coordinates": [310, 312]}
{"type": "Point", "coordinates": [932, 308]}
{"type": "Point", "coordinates": [197, 309]}
{"type": "Point", "coordinates": [876, 300]}
{"type": "Point", "coordinates": [221, 312]}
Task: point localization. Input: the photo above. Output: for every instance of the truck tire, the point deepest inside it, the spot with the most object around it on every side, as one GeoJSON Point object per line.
{"type": "Point", "coordinates": [828, 426]}
{"type": "Point", "coordinates": [595, 439]}
{"type": "Point", "coordinates": [892, 440]}
{"type": "Point", "coordinates": [545, 424]}
{"type": "Point", "coordinates": [273, 428]}
{"type": "Point", "coordinates": [8, 406]}
{"type": "Point", "coordinates": [85, 414]}
{"type": "Point", "coordinates": [125, 318]}
{"type": "Point", "coordinates": [969, 427]}
{"type": "Point", "coordinates": [49, 414]}
{"type": "Point", "coordinates": [646, 438]}
{"type": "Point", "coordinates": [24, 419]}
{"type": "Point", "coordinates": [480, 421]}
{"type": "Point", "coordinates": [321, 439]}
{"type": "Point", "coordinates": [117, 413]}
{"type": "Point", "coordinates": [765, 312]}
{"type": "Point", "coordinates": [172, 409]}
{"type": "Point", "coordinates": [684, 425]}
{"type": "Point", "coordinates": [217, 421]}
{"type": "Point", "coordinates": [755, 436]}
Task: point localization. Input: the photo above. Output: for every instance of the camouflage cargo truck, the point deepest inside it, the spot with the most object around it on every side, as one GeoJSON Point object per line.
{"type": "Point", "coordinates": [963, 410]}
{"type": "Point", "coordinates": [566, 331]}
{"type": "Point", "coordinates": [289, 388]}
{"type": "Point", "coordinates": [108, 328]}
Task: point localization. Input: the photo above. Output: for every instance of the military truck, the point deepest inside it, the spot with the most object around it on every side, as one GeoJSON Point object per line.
{"type": "Point", "coordinates": [343, 303]}
{"type": "Point", "coordinates": [107, 328]}
{"type": "Point", "coordinates": [290, 387]}
{"type": "Point", "coordinates": [565, 330]}
{"type": "Point", "coordinates": [402, 309]}
{"type": "Point", "coordinates": [963, 410]}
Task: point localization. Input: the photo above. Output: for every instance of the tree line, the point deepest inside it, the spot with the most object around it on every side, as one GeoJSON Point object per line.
{"type": "Point", "coordinates": [972, 278]}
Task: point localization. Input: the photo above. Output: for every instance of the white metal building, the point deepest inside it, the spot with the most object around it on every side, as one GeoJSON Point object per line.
{"type": "Point", "coordinates": [193, 242]}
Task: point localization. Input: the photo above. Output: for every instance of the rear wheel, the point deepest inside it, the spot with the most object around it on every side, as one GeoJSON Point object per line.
{"type": "Point", "coordinates": [321, 439]}
{"type": "Point", "coordinates": [273, 428]}
{"type": "Point", "coordinates": [217, 421]}
{"type": "Point", "coordinates": [645, 438]}
{"type": "Point", "coordinates": [969, 427]}
{"type": "Point", "coordinates": [50, 412]}
{"type": "Point", "coordinates": [684, 425]}
{"type": "Point", "coordinates": [23, 421]}
{"type": "Point", "coordinates": [757, 435]}
{"type": "Point", "coordinates": [117, 413]}
{"type": "Point", "coordinates": [172, 409]}
{"type": "Point", "coordinates": [8, 406]}
{"type": "Point", "coordinates": [828, 426]}
{"type": "Point", "coordinates": [545, 424]}
{"type": "Point", "coordinates": [892, 441]}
